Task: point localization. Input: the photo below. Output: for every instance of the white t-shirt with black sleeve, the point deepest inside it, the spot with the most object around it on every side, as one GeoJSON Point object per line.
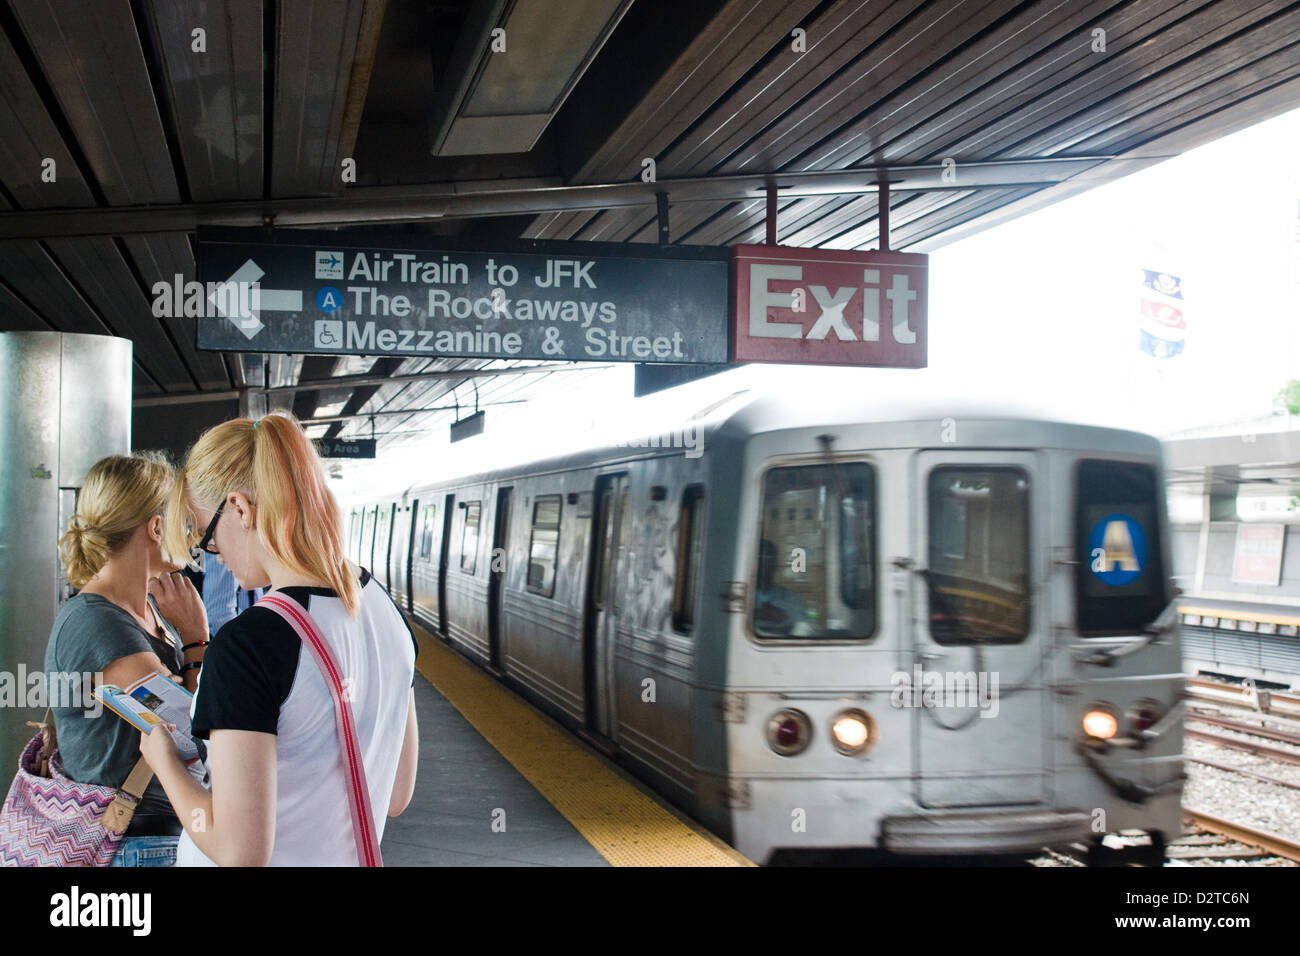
{"type": "Point", "coordinates": [256, 675]}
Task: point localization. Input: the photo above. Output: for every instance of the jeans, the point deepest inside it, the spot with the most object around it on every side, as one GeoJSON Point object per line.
{"type": "Point", "coordinates": [146, 851]}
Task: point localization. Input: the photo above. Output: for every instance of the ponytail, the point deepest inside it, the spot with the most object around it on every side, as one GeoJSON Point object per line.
{"type": "Point", "coordinates": [304, 526]}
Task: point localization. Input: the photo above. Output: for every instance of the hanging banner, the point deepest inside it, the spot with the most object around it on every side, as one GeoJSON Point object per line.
{"type": "Point", "coordinates": [1162, 324]}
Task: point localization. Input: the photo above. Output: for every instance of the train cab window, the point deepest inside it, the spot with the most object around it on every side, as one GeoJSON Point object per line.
{"type": "Point", "coordinates": [978, 578]}
{"type": "Point", "coordinates": [543, 546]}
{"type": "Point", "coordinates": [817, 553]}
{"type": "Point", "coordinates": [426, 532]}
{"type": "Point", "coordinates": [469, 537]}
{"type": "Point", "coordinates": [690, 546]}
{"type": "Point", "coordinates": [1119, 569]}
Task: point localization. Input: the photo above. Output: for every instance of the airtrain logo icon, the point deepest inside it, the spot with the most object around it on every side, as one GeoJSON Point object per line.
{"type": "Point", "coordinates": [329, 265]}
{"type": "Point", "coordinates": [1117, 550]}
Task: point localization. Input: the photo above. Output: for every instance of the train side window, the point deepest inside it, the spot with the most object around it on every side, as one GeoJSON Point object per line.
{"type": "Point", "coordinates": [1120, 583]}
{"type": "Point", "coordinates": [544, 545]}
{"type": "Point", "coordinates": [690, 544]}
{"type": "Point", "coordinates": [817, 553]}
{"type": "Point", "coordinates": [426, 532]}
{"type": "Point", "coordinates": [469, 537]}
{"type": "Point", "coordinates": [978, 579]}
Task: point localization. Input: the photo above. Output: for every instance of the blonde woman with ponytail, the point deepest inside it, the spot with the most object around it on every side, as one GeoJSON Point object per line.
{"type": "Point", "coordinates": [130, 617]}
{"type": "Point", "coordinates": [255, 497]}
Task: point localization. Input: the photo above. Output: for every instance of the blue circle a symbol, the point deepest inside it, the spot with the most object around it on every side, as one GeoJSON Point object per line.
{"type": "Point", "coordinates": [1117, 550]}
{"type": "Point", "coordinates": [328, 299]}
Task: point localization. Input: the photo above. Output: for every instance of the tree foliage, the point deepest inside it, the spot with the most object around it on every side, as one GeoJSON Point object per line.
{"type": "Point", "coordinates": [1290, 396]}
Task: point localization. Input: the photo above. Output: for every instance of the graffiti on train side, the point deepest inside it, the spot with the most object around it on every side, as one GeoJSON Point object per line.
{"type": "Point", "coordinates": [650, 569]}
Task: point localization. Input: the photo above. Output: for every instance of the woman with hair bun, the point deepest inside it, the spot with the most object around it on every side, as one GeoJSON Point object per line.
{"type": "Point", "coordinates": [131, 616]}
{"type": "Point", "coordinates": [305, 761]}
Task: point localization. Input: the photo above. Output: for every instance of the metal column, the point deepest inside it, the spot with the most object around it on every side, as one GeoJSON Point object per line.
{"type": "Point", "coordinates": [65, 402]}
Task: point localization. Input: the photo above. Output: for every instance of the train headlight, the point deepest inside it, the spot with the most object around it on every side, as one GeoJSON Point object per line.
{"type": "Point", "coordinates": [852, 732]}
{"type": "Point", "coordinates": [1100, 723]}
{"type": "Point", "coordinates": [789, 732]}
{"type": "Point", "coordinates": [1143, 715]}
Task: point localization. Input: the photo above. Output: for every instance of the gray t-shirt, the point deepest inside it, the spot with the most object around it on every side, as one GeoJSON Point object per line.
{"type": "Point", "coordinates": [88, 635]}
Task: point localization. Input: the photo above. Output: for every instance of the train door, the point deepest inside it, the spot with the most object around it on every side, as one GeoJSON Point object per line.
{"type": "Point", "coordinates": [354, 534]}
{"type": "Point", "coordinates": [398, 553]}
{"type": "Point", "coordinates": [982, 632]}
{"type": "Point", "coordinates": [369, 544]}
{"type": "Point", "coordinates": [408, 569]}
{"type": "Point", "coordinates": [444, 556]}
{"type": "Point", "coordinates": [497, 575]}
{"type": "Point", "coordinates": [366, 544]}
{"type": "Point", "coordinates": [383, 543]}
{"type": "Point", "coordinates": [390, 531]}
{"type": "Point", "coordinates": [601, 609]}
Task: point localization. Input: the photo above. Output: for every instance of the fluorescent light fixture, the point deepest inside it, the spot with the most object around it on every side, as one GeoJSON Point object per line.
{"type": "Point", "coordinates": [500, 100]}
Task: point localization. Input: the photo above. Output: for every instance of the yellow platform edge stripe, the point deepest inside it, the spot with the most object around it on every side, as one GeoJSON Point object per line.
{"type": "Point", "coordinates": [622, 822]}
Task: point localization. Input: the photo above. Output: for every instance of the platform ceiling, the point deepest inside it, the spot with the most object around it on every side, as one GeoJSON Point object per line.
{"type": "Point", "coordinates": [150, 137]}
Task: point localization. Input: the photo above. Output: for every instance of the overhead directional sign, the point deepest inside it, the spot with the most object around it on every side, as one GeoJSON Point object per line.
{"type": "Point", "coordinates": [387, 294]}
{"type": "Point", "coordinates": [346, 447]}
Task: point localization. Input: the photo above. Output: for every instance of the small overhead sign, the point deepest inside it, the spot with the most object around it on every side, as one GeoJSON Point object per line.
{"type": "Point", "coordinates": [346, 447]}
{"type": "Point", "coordinates": [830, 307]}
{"type": "Point", "coordinates": [468, 426]}
{"type": "Point", "coordinates": [389, 294]}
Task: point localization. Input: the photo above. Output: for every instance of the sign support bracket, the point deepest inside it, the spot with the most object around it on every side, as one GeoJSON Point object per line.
{"type": "Point", "coordinates": [882, 215]}
{"type": "Point", "coordinates": [771, 212]}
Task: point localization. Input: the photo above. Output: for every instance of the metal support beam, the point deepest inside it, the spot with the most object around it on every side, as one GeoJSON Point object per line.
{"type": "Point", "coordinates": [662, 212]}
{"type": "Point", "coordinates": [252, 403]}
{"type": "Point", "coordinates": [344, 382]}
{"type": "Point", "coordinates": [330, 419]}
{"type": "Point", "coordinates": [380, 204]}
{"type": "Point", "coordinates": [771, 214]}
{"type": "Point", "coordinates": [661, 205]}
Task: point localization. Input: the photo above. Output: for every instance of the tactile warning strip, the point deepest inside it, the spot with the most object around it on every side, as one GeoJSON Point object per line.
{"type": "Point", "coordinates": [625, 825]}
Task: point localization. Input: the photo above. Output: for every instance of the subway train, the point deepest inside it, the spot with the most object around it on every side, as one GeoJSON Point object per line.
{"type": "Point", "coordinates": [907, 628]}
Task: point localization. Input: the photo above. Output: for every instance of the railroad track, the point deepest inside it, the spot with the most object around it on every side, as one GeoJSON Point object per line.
{"type": "Point", "coordinates": [1265, 844]}
{"type": "Point", "coordinates": [1246, 746]}
{"type": "Point", "coordinates": [1275, 702]}
{"type": "Point", "coordinates": [1208, 840]}
{"type": "Point", "coordinates": [1227, 723]}
{"type": "Point", "coordinates": [1265, 778]}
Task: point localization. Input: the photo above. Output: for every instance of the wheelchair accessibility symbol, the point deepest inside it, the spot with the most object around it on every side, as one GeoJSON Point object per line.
{"type": "Point", "coordinates": [1117, 550]}
{"type": "Point", "coordinates": [328, 299]}
{"type": "Point", "coordinates": [329, 334]}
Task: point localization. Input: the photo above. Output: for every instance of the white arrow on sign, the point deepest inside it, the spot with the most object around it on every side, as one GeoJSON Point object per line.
{"type": "Point", "coordinates": [261, 300]}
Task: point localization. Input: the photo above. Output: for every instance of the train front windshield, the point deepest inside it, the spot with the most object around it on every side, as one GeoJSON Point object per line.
{"type": "Point", "coordinates": [817, 553]}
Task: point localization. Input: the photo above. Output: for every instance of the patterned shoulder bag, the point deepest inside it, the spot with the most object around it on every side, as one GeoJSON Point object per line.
{"type": "Point", "coordinates": [49, 820]}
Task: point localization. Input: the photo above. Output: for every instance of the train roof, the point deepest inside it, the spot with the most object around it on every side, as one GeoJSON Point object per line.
{"type": "Point", "coordinates": [899, 396]}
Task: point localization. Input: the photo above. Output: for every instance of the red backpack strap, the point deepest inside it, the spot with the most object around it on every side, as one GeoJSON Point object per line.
{"type": "Point", "coordinates": [363, 820]}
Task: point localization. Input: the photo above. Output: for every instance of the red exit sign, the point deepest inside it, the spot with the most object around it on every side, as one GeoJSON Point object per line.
{"type": "Point", "coordinates": [827, 307]}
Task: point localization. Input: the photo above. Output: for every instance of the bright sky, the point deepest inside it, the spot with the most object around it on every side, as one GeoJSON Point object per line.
{"type": "Point", "coordinates": [1044, 309]}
